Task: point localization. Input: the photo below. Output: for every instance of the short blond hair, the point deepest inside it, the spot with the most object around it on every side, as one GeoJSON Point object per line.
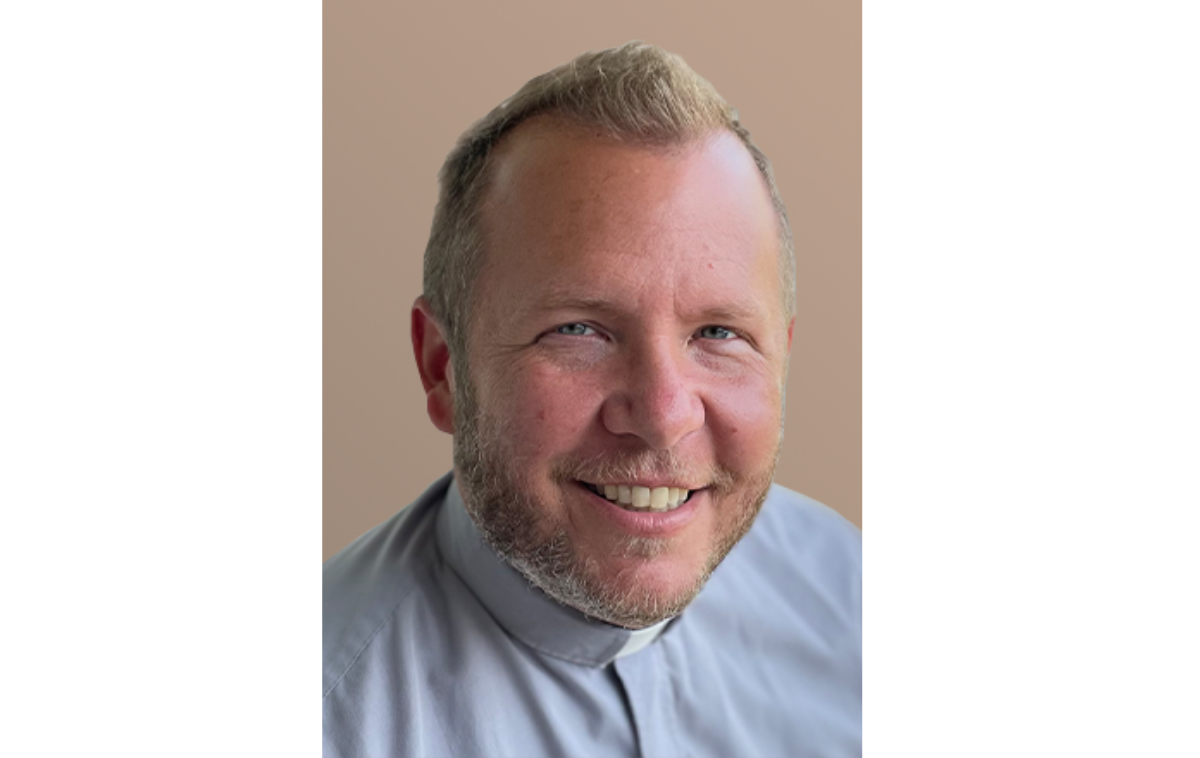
{"type": "Point", "coordinates": [634, 93]}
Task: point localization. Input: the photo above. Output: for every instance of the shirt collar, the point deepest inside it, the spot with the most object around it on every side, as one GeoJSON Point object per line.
{"type": "Point", "coordinates": [524, 611]}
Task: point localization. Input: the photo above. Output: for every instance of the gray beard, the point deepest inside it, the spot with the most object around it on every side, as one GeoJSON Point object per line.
{"type": "Point", "coordinates": [515, 527]}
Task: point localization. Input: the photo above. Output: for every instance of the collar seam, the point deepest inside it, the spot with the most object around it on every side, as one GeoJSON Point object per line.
{"type": "Point", "coordinates": [590, 663]}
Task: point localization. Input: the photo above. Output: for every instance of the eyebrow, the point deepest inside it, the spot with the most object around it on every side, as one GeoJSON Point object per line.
{"type": "Point", "coordinates": [573, 303]}
{"type": "Point", "coordinates": [723, 312]}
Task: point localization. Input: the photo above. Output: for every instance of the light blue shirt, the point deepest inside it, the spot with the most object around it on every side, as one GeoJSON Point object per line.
{"type": "Point", "coordinates": [434, 646]}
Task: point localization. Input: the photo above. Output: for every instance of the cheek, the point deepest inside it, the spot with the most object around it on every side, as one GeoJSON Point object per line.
{"type": "Point", "coordinates": [546, 413]}
{"type": "Point", "coordinates": [745, 421]}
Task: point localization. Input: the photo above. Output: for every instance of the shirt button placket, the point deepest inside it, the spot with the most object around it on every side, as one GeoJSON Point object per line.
{"type": "Point", "coordinates": [644, 678]}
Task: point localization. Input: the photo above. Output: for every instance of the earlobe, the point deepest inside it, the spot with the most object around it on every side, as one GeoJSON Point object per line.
{"type": "Point", "coordinates": [433, 363]}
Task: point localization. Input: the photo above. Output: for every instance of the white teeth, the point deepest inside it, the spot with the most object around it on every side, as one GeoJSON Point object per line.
{"type": "Point", "coordinates": [658, 498]}
{"type": "Point", "coordinates": [641, 497]}
{"type": "Point", "coordinates": [636, 497]}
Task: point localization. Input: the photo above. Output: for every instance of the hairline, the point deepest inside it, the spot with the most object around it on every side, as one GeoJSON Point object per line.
{"type": "Point", "coordinates": [669, 107]}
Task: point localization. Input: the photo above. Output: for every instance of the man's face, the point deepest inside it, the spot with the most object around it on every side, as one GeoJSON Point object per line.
{"type": "Point", "coordinates": [628, 331]}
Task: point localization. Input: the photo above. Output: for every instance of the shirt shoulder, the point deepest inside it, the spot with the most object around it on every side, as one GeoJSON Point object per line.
{"type": "Point", "coordinates": [790, 519]}
{"type": "Point", "coordinates": [803, 554]}
{"type": "Point", "coordinates": [365, 585]}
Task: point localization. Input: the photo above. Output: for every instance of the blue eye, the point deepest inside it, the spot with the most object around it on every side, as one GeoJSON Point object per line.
{"type": "Point", "coordinates": [716, 333]}
{"type": "Point", "coordinates": [577, 330]}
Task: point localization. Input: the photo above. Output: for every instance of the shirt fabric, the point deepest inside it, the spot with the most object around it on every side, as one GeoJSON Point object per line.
{"type": "Point", "coordinates": [434, 646]}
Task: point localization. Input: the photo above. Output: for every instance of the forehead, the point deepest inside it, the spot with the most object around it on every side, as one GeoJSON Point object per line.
{"type": "Point", "coordinates": [569, 213]}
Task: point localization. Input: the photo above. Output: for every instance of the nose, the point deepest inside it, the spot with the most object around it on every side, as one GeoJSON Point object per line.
{"type": "Point", "coordinates": [655, 398]}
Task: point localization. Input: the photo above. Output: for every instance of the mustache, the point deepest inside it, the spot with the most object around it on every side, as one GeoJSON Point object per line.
{"type": "Point", "coordinates": [632, 466]}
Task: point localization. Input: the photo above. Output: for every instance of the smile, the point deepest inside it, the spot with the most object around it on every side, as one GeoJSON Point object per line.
{"type": "Point", "coordinates": [638, 498]}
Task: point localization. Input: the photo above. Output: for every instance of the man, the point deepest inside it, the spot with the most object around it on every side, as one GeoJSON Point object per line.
{"type": "Point", "coordinates": [608, 570]}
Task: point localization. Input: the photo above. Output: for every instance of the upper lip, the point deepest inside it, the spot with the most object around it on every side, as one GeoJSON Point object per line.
{"type": "Point", "coordinates": [648, 483]}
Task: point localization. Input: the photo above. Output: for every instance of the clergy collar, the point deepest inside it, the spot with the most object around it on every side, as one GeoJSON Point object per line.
{"type": "Point", "coordinates": [524, 611]}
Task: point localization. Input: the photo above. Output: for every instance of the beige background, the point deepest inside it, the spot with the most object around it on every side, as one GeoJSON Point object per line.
{"type": "Point", "coordinates": [403, 80]}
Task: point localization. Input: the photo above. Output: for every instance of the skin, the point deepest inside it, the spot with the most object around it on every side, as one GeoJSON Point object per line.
{"type": "Point", "coordinates": [628, 323]}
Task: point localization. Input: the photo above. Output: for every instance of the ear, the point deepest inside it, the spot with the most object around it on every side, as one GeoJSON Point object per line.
{"type": "Point", "coordinates": [433, 362]}
{"type": "Point", "coordinates": [791, 328]}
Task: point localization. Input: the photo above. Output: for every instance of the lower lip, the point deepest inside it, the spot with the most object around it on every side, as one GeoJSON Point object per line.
{"type": "Point", "coordinates": [646, 523]}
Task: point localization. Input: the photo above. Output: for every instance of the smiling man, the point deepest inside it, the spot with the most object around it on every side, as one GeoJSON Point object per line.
{"type": "Point", "coordinates": [609, 570]}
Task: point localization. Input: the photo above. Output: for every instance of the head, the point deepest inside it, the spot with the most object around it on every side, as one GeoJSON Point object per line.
{"type": "Point", "coordinates": [608, 305]}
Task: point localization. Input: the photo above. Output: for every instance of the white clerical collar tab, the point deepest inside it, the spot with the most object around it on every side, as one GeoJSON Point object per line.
{"type": "Point", "coordinates": [640, 638]}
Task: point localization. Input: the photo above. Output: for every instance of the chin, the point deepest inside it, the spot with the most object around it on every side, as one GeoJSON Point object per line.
{"type": "Point", "coordinates": [662, 574]}
{"type": "Point", "coordinates": [634, 590]}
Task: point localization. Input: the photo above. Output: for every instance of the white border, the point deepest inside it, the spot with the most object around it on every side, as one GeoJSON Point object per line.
{"type": "Point", "coordinates": [1032, 324]}
{"type": "Point", "coordinates": [160, 294]}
